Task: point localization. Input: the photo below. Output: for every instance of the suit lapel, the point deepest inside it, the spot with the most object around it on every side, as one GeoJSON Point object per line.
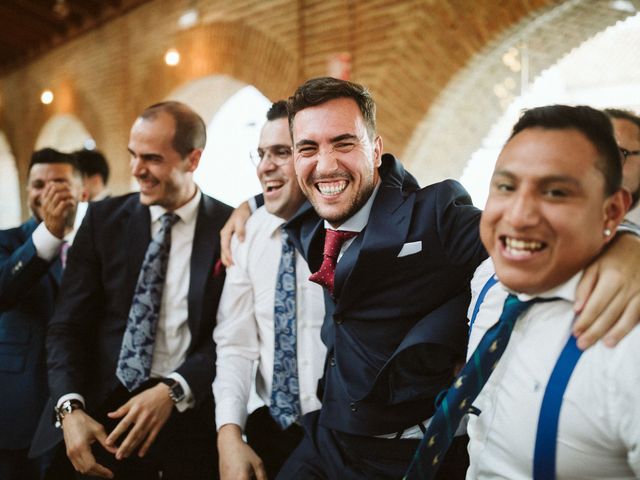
{"type": "Point", "coordinates": [205, 243]}
{"type": "Point", "coordinates": [380, 242]}
{"type": "Point", "coordinates": [138, 238]}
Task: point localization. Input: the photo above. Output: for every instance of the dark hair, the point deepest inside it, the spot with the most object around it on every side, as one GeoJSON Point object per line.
{"type": "Point", "coordinates": [322, 89]}
{"type": "Point", "coordinates": [50, 155]}
{"type": "Point", "coordinates": [623, 115]}
{"type": "Point", "coordinates": [592, 123]}
{"type": "Point", "coordinates": [277, 111]}
{"type": "Point", "coordinates": [191, 132]}
{"type": "Point", "coordinates": [92, 162]}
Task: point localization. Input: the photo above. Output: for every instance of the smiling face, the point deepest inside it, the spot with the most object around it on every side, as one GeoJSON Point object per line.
{"type": "Point", "coordinates": [42, 174]}
{"type": "Point", "coordinates": [336, 161]}
{"type": "Point", "coordinates": [282, 194]}
{"type": "Point", "coordinates": [547, 211]}
{"type": "Point", "coordinates": [165, 178]}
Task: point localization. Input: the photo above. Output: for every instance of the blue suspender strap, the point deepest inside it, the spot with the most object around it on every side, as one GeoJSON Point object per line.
{"type": "Point", "coordinates": [476, 308]}
{"type": "Point", "coordinates": [544, 459]}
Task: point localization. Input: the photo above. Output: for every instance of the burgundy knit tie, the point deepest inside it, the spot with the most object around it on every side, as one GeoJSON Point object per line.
{"type": "Point", "coordinates": [332, 243]}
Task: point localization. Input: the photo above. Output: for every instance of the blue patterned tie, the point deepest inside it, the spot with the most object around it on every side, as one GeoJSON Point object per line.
{"type": "Point", "coordinates": [285, 394]}
{"type": "Point", "coordinates": [136, 353]}
{"type": "Point", "coordinates": [464, 391]}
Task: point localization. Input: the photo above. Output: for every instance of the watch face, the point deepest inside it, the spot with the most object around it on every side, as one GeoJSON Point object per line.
{"type": "Point", "coordinates": [177, 393]}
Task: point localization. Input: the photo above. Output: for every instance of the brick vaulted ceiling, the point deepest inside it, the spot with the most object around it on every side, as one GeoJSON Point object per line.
{"type": "Point", "coordinates": [31, 27]}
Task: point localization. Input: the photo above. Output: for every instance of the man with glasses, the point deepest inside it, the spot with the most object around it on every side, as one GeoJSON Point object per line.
{"type": "Point", "coordinates": [271, 314]}
{"type": "Point", "coordinates": [626, 127]}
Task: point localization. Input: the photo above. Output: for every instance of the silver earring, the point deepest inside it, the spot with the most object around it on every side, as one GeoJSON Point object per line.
{"type": "Point", "coordinates": [607, 232]}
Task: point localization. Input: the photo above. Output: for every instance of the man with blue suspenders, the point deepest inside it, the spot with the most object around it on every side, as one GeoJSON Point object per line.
{"type": "Point", "coordinates": [540, 407]}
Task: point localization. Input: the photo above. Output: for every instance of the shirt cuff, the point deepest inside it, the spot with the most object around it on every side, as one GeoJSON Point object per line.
{"type": "Point", "coordinates": [46, 243]}
{"type": "Point", "coordinates": [231, 410]}
{"type": "Point", "coordinates": [188, 401]}
{"type": "Point", "coordinates": [70, 396]}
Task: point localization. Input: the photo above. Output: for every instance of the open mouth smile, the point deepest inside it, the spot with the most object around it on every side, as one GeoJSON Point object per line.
{"type": "Point", "coordinates": [521, 248]}
{"type": "Point", "coordinates": [331, 189]}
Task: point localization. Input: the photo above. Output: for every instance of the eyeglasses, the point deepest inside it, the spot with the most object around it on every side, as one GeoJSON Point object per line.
{"type": "Point", "coordinates": [627, 153]}
{"type": "Point", "coordinates": [278, 154]}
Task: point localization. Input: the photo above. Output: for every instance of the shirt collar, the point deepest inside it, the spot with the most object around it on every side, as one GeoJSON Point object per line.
{"type": "Point", "coordinates": [565, 291]}
{"type": "Point", "coordinates": [359, 220]}
{"type": "Point", "coordinates": [186, 212]}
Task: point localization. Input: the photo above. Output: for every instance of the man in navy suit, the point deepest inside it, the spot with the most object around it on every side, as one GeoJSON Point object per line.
{"type": "Point", "coordinates": [165, 426]}
{"type": "Point", "coordinates": [395, 324]}
{"type": "Point", "coordinates": [30, 271]}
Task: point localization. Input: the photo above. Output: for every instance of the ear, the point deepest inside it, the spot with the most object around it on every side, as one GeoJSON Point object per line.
{"type": "Point", "coordinates": [194, 159]}
{"type": "Point", "coordinates": [615, 208]}
{"type": "Point", "coordinates": [377, 151]}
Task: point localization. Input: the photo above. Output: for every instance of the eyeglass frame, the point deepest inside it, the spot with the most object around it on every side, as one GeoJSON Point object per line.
{"type": "Point", "coordinates": [278, 159]}
{"type": "Point", "coordinates": [628, 153]}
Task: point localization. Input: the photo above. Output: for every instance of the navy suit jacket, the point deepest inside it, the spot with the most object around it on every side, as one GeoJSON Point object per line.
{"type": "Point", "coordinates": [396, 325]}
{"type": "Point", "coordinates": [85, 334]}
{"type": "Point", "coordinates": [28, 287]}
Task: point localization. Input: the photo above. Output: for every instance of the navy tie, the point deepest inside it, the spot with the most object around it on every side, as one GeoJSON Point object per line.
{"type": "Point", "coordinates": [464, 391]}
{"type": "Point", "coordinates": [136, 352]}
{"type": "Point", "coordinates": [285, 393]}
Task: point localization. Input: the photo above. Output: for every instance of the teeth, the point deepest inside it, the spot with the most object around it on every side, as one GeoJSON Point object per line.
{"type": "Point", "coordinates": [333, 188]}
{"type": "Point", "coordinates": [522, 247]}
{"type": "Point", "coordinates": [273, 185]}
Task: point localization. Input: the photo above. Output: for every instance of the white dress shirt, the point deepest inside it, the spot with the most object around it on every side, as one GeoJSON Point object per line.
{"type": "Point", "coordinates": [599, 426]}
{"type": "Point", "coordinates": [172, 332]}
{"type": "Point", "coordinates": [244, 331]}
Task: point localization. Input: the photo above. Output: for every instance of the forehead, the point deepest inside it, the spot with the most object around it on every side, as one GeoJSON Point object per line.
{"type": "Point", "coordinates": [627, 132]}
{"type": "Point", "coordinates": [50, 171]}
{"type": "Point", "coordinates": [332, 118]}
{"type": "Point", "coordinates": [275, 132]}
{"type": "Point", "coordinates": [543, 152]}
{"type": "Point", "coordinates": [153, 132]}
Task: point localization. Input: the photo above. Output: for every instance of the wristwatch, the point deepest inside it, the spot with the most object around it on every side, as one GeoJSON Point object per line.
{"type": "Point", "coordinates": [176, 392]}
{"type": "Point", "coordinates": [66, 408]}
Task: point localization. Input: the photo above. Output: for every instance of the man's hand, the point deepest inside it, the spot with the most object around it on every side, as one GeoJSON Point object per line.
{"type": "Point", "coordinates": [57, 201]}
{"type": "Point", "coordinates": [608, 296]}
{"type": "Point", "coordinates": [145, 414]}
{"type": "Point", "coordinates": [80, 431]}
{"type": "Point", "coordinates": [238, 461]}
{"type": "Point", "coordinates": [235, 224]}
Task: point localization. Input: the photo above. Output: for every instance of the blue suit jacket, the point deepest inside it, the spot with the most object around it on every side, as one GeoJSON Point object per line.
{"type": "Point", "coordinates": [397, 325]}
{"type": "Point", "coordinates": [85, 334]}
{"type": "Point", "coordinates": [28, 287]}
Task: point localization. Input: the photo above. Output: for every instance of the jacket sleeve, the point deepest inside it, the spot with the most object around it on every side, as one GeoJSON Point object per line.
{"type": "Point", "coordinates": [20, 270]}
{"type": "Point", "coordinates": [76, 316]}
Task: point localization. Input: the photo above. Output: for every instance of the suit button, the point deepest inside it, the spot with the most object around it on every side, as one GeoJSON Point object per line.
{"type": "Point", "coordinates": [354, 407]}
{"type": "Point", "coordinates": [332, 361]}
{"type": "Point", "coordinates": [338, 319]}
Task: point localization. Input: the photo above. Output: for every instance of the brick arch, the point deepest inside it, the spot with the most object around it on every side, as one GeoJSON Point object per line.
{"type": "Point", "coordinates": [233, 49]}
{"type": "Point", "coordinates": [461, 115]}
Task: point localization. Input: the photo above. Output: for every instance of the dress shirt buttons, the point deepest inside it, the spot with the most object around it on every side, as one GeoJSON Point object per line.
{"type": "Point", "coordinates": [354, 407]}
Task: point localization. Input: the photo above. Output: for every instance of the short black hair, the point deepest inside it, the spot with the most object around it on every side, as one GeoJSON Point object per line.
{"type": "Point", "coordinates": [50, 155]}
{"type": "Point", "coordinates": [92, 162]}
{"type": "Point", "coordinates": [323, 89]}
{"type": "Point", "coordinates": [191, 131]}
{"type": "Point", "coordinates": [620, 114]}
{"type": "Point", "coordinates": [277, 111]}
{"type": "Point", "coordinates": [592, 123]}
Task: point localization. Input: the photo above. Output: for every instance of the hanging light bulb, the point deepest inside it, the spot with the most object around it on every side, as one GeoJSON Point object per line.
{"type": "Point", "coordinates": [46, 97]}
{"type": "Point", "coordinates": [172, 57]}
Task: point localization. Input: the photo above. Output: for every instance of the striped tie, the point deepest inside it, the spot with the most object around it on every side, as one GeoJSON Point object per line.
{"type": "Point", "coordinates": [464, 391]}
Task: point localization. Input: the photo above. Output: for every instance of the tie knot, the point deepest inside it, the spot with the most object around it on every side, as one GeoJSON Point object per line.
{"type": "Point", "coordinates": [334, 240]}
{"type": "Point", "coordinates": [168, 220]}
